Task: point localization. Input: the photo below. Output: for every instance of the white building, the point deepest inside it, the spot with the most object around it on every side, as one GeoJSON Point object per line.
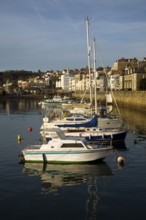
{"type": "Point", "coordinates": [58, 84]}
{"type": "Point", "coordinates": [66, 81]}
{"type": "Point", "coordinates": [114, 82]}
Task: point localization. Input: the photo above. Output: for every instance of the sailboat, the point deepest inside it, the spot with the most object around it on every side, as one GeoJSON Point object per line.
{"type": "Point", "coordinates": [107, 126]}
{"type": "Point", "coordinates": [104, 120]}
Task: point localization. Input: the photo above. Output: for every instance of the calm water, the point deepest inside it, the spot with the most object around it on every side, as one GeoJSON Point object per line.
{"type": "Point", "coordinates": [98, 191]}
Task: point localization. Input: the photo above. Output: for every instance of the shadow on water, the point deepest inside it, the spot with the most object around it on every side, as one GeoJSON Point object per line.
{"type": "Point", "coordinates": [120, 146]}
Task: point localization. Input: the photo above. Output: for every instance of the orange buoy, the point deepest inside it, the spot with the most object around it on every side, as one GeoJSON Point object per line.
{"type": "Point", "coordinates": [30, 129]}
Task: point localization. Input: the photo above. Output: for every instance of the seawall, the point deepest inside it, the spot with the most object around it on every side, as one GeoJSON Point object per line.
{"type": "Point", "coordinates": [130, 99]}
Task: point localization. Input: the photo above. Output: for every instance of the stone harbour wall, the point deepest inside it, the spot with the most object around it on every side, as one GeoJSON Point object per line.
{"type": "Point", "coordinates": [129, 99]}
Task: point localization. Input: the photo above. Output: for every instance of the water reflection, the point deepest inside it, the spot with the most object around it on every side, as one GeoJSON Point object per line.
{"type": "Point", "coordinates": [59, 175]}
{"type": "Point", "coordinates": [135, 120]}
{"type": "Point", "coordinates": [17, 106]}
{"type": "Point", "coordinates": [54, 177]}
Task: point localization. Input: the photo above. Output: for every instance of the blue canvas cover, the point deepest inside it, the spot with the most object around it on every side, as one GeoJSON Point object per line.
{"type": "Point", "coordinates": [92, 123]}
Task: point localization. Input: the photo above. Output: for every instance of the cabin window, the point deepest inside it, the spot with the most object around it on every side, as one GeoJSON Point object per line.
{"type": "Point", "coordinates": [74, 145]}
{"type": "Point", "coordinates": [80, 119]}
{"type": "Point", "coordinates": [69, 119]}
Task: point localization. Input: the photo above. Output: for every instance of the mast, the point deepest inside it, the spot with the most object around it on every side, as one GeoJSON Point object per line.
{"type": "Point", "coordinates": [88, 50]}
{"type": "Point", "coordinates": [95, 92]}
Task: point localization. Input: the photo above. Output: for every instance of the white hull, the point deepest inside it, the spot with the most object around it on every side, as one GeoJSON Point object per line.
{"type": "Point", "coordinates": [79, 156]}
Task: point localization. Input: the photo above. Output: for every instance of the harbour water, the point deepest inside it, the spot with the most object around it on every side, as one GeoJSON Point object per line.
{"type": "Point", "coordinates": [90, 191]}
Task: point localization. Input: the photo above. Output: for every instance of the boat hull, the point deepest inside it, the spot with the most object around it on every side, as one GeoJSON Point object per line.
{"type": "Point", "coordinates": [99, 137]}
{"type": "Point", "coordinates": [67, 156]}
{"type": "Point", "coordinates": [107, 137]}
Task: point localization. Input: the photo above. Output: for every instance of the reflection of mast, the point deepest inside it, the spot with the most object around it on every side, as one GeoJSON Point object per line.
{"type": "Point", "coordinates": [7, 85]}
{"type": "Point", "coordinates": [88, 50]}
{"type": "Point", "coordinates": [8, 107]}
{"type": "Point", "coordinates": [92, 201]}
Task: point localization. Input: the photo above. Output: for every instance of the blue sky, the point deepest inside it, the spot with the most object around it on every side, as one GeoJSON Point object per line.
{"type": "Point", "coordinates": [51, 34]}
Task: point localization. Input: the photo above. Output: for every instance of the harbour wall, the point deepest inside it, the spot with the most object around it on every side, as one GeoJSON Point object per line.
{"type": "Point", "coordinates": [135, 100]}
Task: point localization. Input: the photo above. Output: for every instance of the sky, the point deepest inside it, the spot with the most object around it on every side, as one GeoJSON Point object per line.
{"type": "Point", "coordinates": [51, 34]}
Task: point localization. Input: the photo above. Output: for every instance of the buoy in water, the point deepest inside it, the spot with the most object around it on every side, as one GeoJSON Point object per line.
{"type": "Point", "coordinates": [120, 160]}
{"type": "Point", "coordinates": [19, 137]}
{"type": "Point", "coordinates": [29, 129]}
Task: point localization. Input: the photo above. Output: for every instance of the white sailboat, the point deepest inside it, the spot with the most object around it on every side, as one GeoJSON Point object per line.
{"type": "Point", "coordinates": [104, 120]}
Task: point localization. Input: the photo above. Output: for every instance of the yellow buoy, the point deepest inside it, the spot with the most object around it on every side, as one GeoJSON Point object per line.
{"type": "Point", "coordinates": [19, 137]}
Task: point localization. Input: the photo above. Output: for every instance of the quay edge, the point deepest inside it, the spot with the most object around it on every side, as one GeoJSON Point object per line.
{"type": "Point", "coordinates": [135, 100]}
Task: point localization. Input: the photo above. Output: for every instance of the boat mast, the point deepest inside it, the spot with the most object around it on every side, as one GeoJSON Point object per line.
{"type": "Point", "coordinates": [88, 50]}
{"type": "Point", "coordinates": [95, 86]}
